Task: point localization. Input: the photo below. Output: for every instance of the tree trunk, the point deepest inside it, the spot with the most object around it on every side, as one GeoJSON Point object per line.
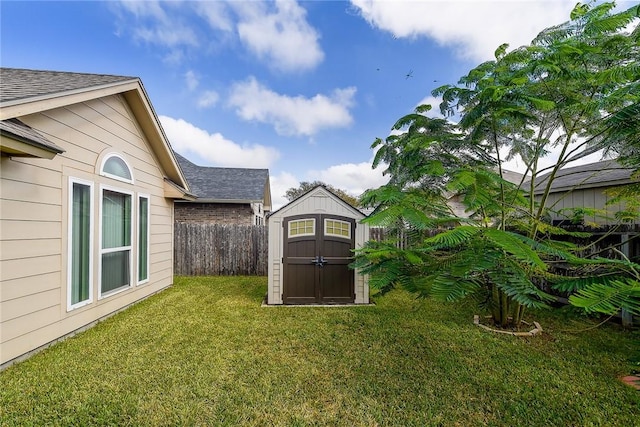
{"type": "Point", "coordinates": [496, 304]}
{"type": "Point", "coordinates": [504, 310]}
{"type": "Point", "coordinates": [519, 313]}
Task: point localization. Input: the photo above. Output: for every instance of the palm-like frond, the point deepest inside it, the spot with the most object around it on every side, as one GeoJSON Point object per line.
{"type": "Point", "coordinates": [514, 245]}
{"type": "Point", "coordinates": [552, 248]}
{"type": "Point", "coordinates": [452, 238]}
{"type": "Point", "coordinates": [385, 264]}
{"type": "Point", "coordinates": [452, 288]}
{"type": "Point", "coordinates": [609, 297]}
{"type": "Point", "coordinates": [572, 284]}
{"type": "Point", "coordinates": [520, 288]}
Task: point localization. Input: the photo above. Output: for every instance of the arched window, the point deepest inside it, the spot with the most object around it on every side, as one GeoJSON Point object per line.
{"type": "Point", "coordinates": [114, 166]}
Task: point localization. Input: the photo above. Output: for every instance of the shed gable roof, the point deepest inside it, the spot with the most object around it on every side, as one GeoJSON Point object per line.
{"type": "Point", "coordinates": [227, 184]}
{"type": "Point", "coordinates": [322, 191]}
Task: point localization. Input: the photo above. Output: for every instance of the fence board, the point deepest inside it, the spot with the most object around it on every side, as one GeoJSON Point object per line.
{"type": "Point", "coordinates": [220, 250]}
{"type": "Point", "coordinates": [205, 249]}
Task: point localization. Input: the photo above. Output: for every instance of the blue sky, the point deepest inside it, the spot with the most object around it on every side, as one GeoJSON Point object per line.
{"type": "Point", "coordinates": [301, 88]}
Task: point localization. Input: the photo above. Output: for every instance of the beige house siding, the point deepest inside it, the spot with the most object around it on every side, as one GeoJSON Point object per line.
{"type": "Point", "coordinates": [34, 201]}
{"type": "Point", "coordinates": [317, 201]}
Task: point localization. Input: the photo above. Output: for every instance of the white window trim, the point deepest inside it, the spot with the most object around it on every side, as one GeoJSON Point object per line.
{"type": "Point", "coordinates": [103, 251]}
{"type": "Point", "coordinates": [301, 234]}
{"type": "Point", "coordinates": [326, 233]}
{"type": "Point", "coordinates": [116, 177]}
{"type": "Point", "coordinates": [89, 184]}
{"type": "Point", "coordinates": [148, 197]}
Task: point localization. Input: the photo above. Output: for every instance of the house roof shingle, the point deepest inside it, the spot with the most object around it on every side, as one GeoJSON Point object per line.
{"type": "Point", "coordinates": [599, 174]}
{"type": "Point", "coordinates": [224, 184]}
{"type": "Point", "coordinates": [18, 84]}
{"type": "Point", "coordinates": [25, 91]}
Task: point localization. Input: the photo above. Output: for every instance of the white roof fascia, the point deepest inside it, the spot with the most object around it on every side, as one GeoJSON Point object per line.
{"type": "Point", "coordinates": [24, 106]}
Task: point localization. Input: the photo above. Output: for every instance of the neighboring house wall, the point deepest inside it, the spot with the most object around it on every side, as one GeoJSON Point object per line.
{"type": "Point", "coordinates": [585, 186]}
{"type": "Point", "coordinates": [259, 215]}
{"type": "Point", "coordinates": [562, 204]}
{"type": "Point", "coordinates": [35, 205]}
{"type": "Point", "coordinates": [231, 195]}
{"type": "Point", "coordinates": [218, 213]}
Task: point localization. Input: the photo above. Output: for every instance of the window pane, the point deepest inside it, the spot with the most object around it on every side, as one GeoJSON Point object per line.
{"type": "Point", "coordinates": [143, 239]}
{"type": "Point", "coordinates": [116, 234]}
{"type": "Point", "coordinates": [116, 219]}
{"type": "Point", "coordinates": [80, 243]}
{"type": "Point", "coordinates": [115, 270]}
{"type": "Point", "coordinates": [337, 228]}
{"type": "Point", "coordinates": [116, 166]}
{"type": "Point", "coordinates": [302, 227]}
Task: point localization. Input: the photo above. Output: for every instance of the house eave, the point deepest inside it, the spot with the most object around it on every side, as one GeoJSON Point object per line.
{"type": "Point", "coordinates": [175, 191]}
{"type": "Point", "coordinates": [585, 186]}
{"type": "Point", "coordinates": [14, 146]}
{"type": "Point", "coordinates": [24, 106]}
{"type": "Point", "coordinates": [228, 201]}
{"type": "Point", "coordinates": [133, 92]}
{"type": "Point", "coordinates": [152, 128]}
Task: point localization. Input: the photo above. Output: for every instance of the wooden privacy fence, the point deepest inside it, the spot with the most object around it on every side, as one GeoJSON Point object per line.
{"type": "Point", "coordinates": [204, 249]}
{"type": "Point", "coordinates": [220, 250]}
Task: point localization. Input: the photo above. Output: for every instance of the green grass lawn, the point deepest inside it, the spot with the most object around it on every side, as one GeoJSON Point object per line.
{"type": "Point", "coordinates": [205, 353]}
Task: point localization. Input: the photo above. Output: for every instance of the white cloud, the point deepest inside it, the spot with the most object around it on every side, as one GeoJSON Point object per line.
{"type": "Point", "coordinates": [354, 178]}
{"type": "Point", "coordinates": [292, 115]}
{"type": "Point", "coordinates": [435, 106]}
{"type": "Point", "coordinates": [278, 34]}
{"type": "Point", "coordinates": [215, 148]}
{"type": "Point", "coordinates": [191, 80]}
{"type": "Point", "coordinates": [216, 14]}
{"type": "Point", "coordinates": [549, 160]}
{"type": "Point", "coordinates": [282, 38]}
{"type": "Point", "coordinates": [474, 28]}
{"type": "Point", "coordinates": [208, 99]}
{"type": "Point", "coordinates": [155, 26]}
{"type": "Point", "coordinates": [279, 185]}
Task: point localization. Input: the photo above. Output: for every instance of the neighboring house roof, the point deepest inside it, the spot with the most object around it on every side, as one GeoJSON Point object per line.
{"type": "Point", "coordinates": [600, 174]}
{"type": "Point", "coordinates": [511, 176]}
{"type": "Point", "coordinates": [227, 185]}
{"type": "Point", "coordinates": [24, 92]}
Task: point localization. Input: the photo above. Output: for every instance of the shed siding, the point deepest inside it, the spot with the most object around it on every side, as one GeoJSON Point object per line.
{"type": "Point", "coordinates": [33, 228]}
{"type": "Point", "coordinates": [317, 201]}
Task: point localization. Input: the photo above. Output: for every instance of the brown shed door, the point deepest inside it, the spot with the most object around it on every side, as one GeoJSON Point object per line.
{"type": "Point", "coordinates": [317, 253]}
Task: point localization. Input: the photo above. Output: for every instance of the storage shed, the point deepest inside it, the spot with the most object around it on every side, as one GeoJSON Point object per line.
{"type": "Point", "coordinates": [310, 248]}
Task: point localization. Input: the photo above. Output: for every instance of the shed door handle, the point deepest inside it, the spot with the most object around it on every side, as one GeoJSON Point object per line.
{"type": "Point", "coordinates": [319, 261]}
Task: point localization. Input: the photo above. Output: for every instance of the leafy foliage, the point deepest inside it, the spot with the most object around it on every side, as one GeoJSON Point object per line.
{"type": "Point", "coordinates": [574, 90]}
{"type": "Point", "coordinates": [609, 298]}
